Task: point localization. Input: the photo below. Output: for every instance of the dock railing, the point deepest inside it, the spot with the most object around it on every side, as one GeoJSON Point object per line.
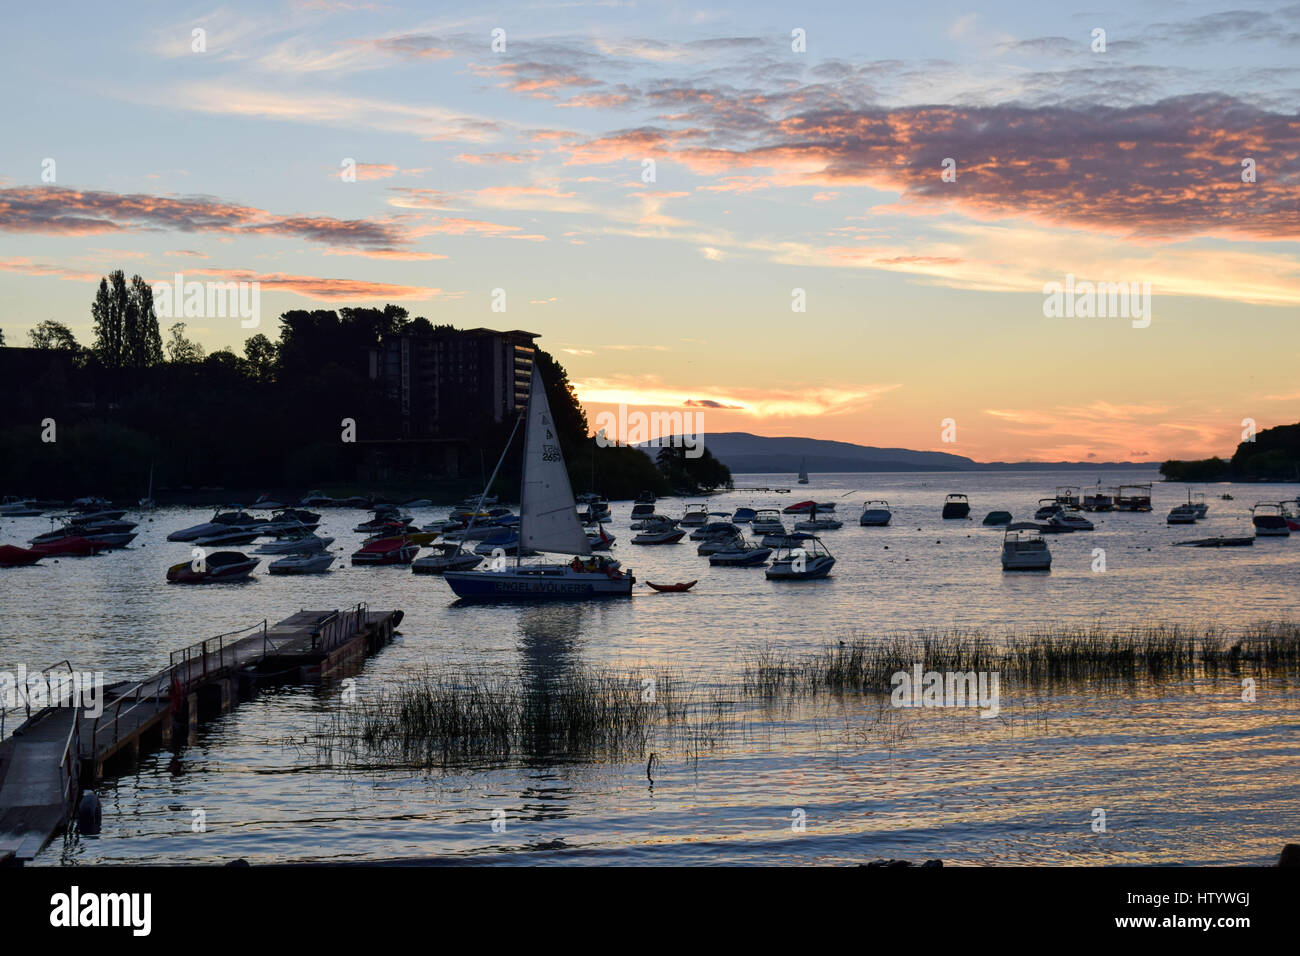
{"type": "Point", "coordinates": [22, 690]}
{"type": "Point", "coordinates": [338, 626]}
{"type": "Point", "coordinates": [132, 695]}
{"type": "Point", "coordinates": [211, 653]}
{"type": "Point", "coordinates": [70, 764]}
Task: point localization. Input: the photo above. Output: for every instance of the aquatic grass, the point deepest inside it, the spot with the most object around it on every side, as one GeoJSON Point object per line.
{"type": "Point", "coordinates": [1077, 654]}
{"type": "Point", "coordinates": [446, 716]}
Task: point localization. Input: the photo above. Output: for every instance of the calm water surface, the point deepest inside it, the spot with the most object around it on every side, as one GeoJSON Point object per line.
{"type": "Point", "coordinates": [1186, 773]}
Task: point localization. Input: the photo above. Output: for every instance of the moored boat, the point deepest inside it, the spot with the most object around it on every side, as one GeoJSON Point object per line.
{"type": "Point", "coordinates": [1024, 549]}
{"type": "Point", "coordinates": [386, 551]}
{"type": "Point", "coordinates": [301, 564]}
{"type": "Point", "coordinates": [1269, 520]}
{"type": "Point", "coordinates": [997, 518]}
{"type": "Point", "coordinates": [875, 514]}
{"type": "Point", "coordinates": [956, 506]}
{"type": "Point", "coordinates": [802, 558]}
{"type": "Point", "coordinates": [15, 557]}
{"type": "Point", "coordinates": [213, 568]}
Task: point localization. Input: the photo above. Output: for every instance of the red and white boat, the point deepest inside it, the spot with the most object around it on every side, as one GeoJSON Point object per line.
{"type": "Point", "coordinates": [804, 506]}
{"type": "Point", "coordinates": [386, 551]}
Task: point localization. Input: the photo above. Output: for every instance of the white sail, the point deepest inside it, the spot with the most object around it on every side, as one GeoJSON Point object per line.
{"type": "Point", "coordinates": [548, 520]}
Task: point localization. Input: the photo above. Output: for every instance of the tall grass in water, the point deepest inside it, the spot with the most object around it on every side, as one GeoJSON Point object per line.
{"type": "Point", "coordinates": [443, 717]}
{"type": "Point", "coordinates": [1070, 655]}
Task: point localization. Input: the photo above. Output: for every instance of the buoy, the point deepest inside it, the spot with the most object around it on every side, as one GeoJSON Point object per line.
{"type": "Point", "coordinates": [89, 814]}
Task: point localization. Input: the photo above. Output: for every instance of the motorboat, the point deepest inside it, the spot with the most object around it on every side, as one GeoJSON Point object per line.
{"type": "Point", "coordinates": [743, 515]}
{"type": "Point", "coordinates": [642, 510]}
{"type": "Point", "coordinates": [316, 499]}
{"type": "Point", "coordinates": [597, 509]}
{"type": "Point", "coordinates": [301, 564]}
{"type": "Point", "coordinates": [875, 514]}
{"type": "Point", "coordinates": [265, 502]}
{"type": "Point", "coordinates": [1182, 514]}
{"type": "Point", "coordinates": [1072, 519]}
{"type": "Point", "coordinates": [713, 529]}
{"type": "Point", "coordinates": [599, 538]}
{"type": "Point", "coordinates": [1269, 520]}
{"type": "Point", "coordinates": [801, 507]}
{"type": "Point", "coordinates": [74, 546]}
{"type": "Point", "coordinates": [767, 521]}
{"type": "Point", "coordinates": [106, 535]}
{"type": "Point", "coordinates": [387, 551]}
{"type": "Point", "coordinates": [816, 522]}
{"type": "Point", "coordinates": [13, 507]}
{"type": "Point", "coordinates": [216, 567]}
{"type": "Point", "coordinates": [227, 537]}
{"type": "Point", "coordinates": [663, 531]}
{"type": "Point", "coordinates": [696, 514]}
{"type": "Point", "coordinates": [741, 554]}
{"type": "Point", "coordinates": [956, 506]}
{"type": "Point", "coordinates": [1046, 508]}
{"type": "Point", "coordinates": [300, 542]}
{"type": "Point", "coordinates": [12, 556]}
{"type": "Point", "coordinates": [1025, 549]}
{"type": "Point", "coordinates": [384, 515]}
{"type": "Point", "coordinates": [548, 522]}
{"type": "Point", "coordinates": [719, 542]}
{"type": "Point", "coordinates": [417, 503]}
{"type": "Point", "coordinates": [449, 557]}
{"type": "Point", "coordinates": [802, 558]}
{"type": "Point", "coordinates": [996, 519]}
{"type": "Point", "coordinates": [220, 521]}
{"type": "Point", "coordinates": [291, 519]}
{"type": "Point", "coordinates": [646, 498]}
{"type": "Point", "coordinates": [780, 540]}
{"type": "Point", "coordinates": [1202, 507]}
{"type": "Point", "coordinates": [502, 541]}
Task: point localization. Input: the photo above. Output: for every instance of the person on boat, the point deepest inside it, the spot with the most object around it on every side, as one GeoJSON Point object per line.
{"type": "Point", "coordinates": [577, 563]}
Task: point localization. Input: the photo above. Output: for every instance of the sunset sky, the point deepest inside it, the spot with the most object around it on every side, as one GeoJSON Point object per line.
{"type": "Point", "coordinates": [774, 170]}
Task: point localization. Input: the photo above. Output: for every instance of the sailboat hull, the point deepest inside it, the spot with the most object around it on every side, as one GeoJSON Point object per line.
{"type": "Point", "coordinates": [538, 582]}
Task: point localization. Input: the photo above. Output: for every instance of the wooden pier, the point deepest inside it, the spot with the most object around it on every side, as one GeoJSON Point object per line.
{"type": "Point", "coordinates": [56, 750]}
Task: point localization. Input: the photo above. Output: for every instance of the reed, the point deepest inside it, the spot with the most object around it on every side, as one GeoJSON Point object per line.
{"type": "Point", "coordinates": [443, 717]}
{"type": "Point", "coordinates": [1047, 656]}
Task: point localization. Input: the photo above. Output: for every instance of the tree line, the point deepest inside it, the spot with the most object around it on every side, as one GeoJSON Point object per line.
{"type": "Point", "coordinates": [267, 419]}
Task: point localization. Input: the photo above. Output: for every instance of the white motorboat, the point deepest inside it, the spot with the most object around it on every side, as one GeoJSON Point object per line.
{"type": "Point", "coordinates": [641, 511]}
{"type": "Point", "coordinates": [238, 535]}
{"type": "Point", "coordinates": [802, 557]}
{"type": "Point", "coordinates": [711, 530]}
{"type": "Point", "coordinates": [13, 507]}
{"type": "Point", "coordinates": [301, 542]}
{"type": "Point", "coordinates": [1025, 549]}
{"type": "Point", "coordinates": [659, 530]}
{"type": "Point", "coordinates": [719, 542]}
{"type": "Point", "coordinates": [1269, 520]}
{"type": "Point", "coordinates": [548, 522]}
{"type": "Point", "coordinates": [301, 564]}
{"type": "Point", "coordinates": [696, 514]}
{"type": "Point", "coordinates": [875, 514]}
{"type": "Point", "coordinates": [220, 521]}
{"type": "Point", "coordinates": [741, 554]}
{"type": "Point", "coordinates": [743, 516]}
{"type": "Point", "coordinates": [1182, 514]}
{"type": "Point", "coordinates": [1047, 508]}
{"type": "Point", "coordinates": [1070, 518]}
{"type": "Point", "coordinates": [767, 521]}
{"type": "Point", "coordinates": [818, 523]}
{"type": "Point", "coordinates": [449, 558]}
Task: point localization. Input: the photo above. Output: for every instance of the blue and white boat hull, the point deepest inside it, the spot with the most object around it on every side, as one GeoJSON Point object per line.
{"type": "Point", "coordinates": [538, 582]}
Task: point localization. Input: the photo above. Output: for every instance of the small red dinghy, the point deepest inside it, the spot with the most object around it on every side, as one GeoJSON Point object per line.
{"type": "Point", "coordinates": [679, 586]}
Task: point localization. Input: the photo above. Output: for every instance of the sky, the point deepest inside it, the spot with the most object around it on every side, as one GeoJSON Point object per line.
{"type": "Point", "coordinates": [743, 211]}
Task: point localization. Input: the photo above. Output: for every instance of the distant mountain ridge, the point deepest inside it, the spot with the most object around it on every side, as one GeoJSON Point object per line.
{"type": "Point", "coordinates": [743, 452]}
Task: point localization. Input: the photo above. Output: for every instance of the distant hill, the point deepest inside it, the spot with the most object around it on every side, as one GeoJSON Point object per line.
{"type": "Point", "coordinates": [743, 452]}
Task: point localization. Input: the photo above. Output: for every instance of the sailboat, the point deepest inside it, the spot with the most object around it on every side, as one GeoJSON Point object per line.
{"type": "Point", "coordinates": [548, 522]}
{"type": "Point", "coordinates": [803, 471]}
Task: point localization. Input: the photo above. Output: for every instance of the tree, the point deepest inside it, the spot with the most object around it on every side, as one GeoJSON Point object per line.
{"type": "Point", "coordinates": [53, 335]}
{"type": "Point", "coordinates": [141, 340]}
{"type": "Point", "coordinates": [262, 357]}
{"type": "Point", "coordinates": [126, 327]}
{"type": "Point", "coordinates": [180, 350]}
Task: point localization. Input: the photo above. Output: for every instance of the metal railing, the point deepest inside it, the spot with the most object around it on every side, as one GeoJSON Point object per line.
{"type": "Point", "coordinates": [338, 626]}
{"type": "Point", "coordinates": [70, 764]}
{"type": "Point", "coordinates": [206, 650]}
{"type": "Point", "coordinates": [26, 705]}
{"type": "Point", "coordinates": [133, 695]}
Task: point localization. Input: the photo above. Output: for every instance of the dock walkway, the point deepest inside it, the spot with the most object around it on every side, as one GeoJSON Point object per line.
{"type": "Point", "coordinates": [47, 758]}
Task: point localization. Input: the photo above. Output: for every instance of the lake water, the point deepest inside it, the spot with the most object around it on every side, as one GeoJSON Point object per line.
{"type": "Point", "coordinates": [1185, 772]}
